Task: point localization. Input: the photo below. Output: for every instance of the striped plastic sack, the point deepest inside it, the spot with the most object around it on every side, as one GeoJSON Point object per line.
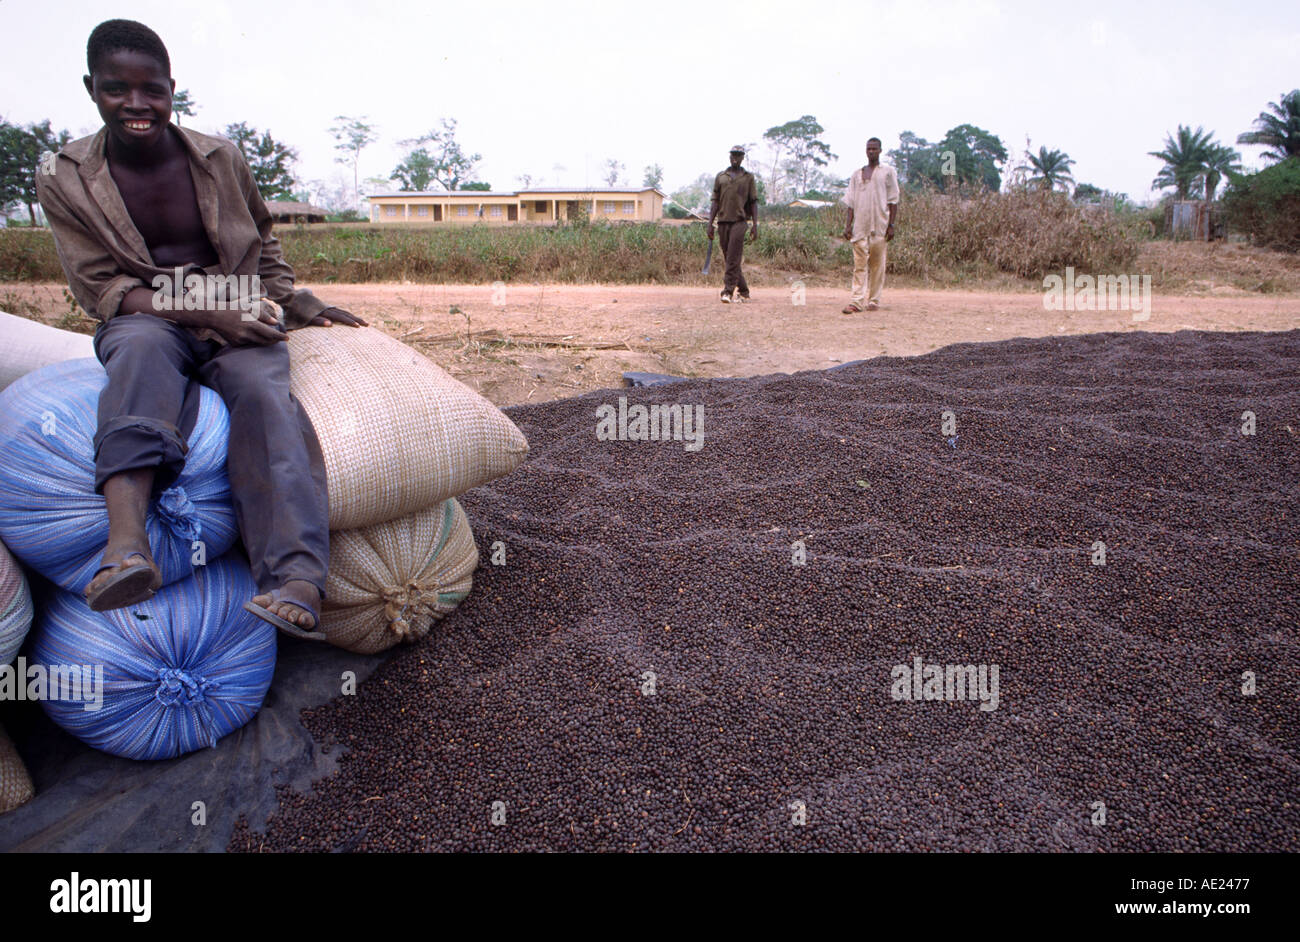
{"type": "Point", "coordinates": [388, 582]}
{"type": "Point", "coordinates": [398, 433]}
{"type": "Point", "coordinates": [51, 517]}
{"type": "Point", "coordinates": [15, 606]}
{"type": "Point", "coordinates": [173, 674]}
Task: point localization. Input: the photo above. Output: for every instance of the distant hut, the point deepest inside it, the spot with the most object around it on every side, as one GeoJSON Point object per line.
{"type": "Point", "coordinates": [282, 211]}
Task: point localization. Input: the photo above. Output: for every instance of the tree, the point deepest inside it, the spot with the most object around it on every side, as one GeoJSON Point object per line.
{"type": "Point", "coordinates": [352, 135]}
{"type": "Point", "coordinates": [967, 155]}
{"type": "Point", "coordinates": [1185, 157]}
{"type": "Point", "coordinates": [800, 141]}
{"type": "Point", "coordinates": [654, 176]}
{"type": "Point", "coordinates": [183, 104]}
{"type": "Point", "coordinates": [1279, 132]}
{"type": "Point", "coordinates": [976, 154]}
{"type": "Point", "coordinates": [525, 181]}
{"type": "Point", "coordinates": [416, 172]}
{"type": "Point", "coordinates": [696, 195]}
{"type": "Point", "coordinates": [1087, 193]}
{"type": "Point", "coordinates": [1050, 168]}
{"type": "Point", "coordinates": [613, 170]}
{"type": "Point", "coordinates": [270, 161]}
{"type": "Point", "coordinates": [13, 146]}
{"type": "Point", "coordinates": [822, 186]}
{"type": "Point", "coordinates": [1266, 205]}
{"type": "Point", "coordinates": [450, 166]}
{"type": "Point", "coordinates": [1220, 160]}
{"type": "Point", "coordinates": [911, 159]}
{"type": "Point", "coordinates": [477, 185]}
{"type": "Point", "coordinates": [21, 152]}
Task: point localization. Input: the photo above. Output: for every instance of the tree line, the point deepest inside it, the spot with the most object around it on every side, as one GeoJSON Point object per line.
{"type": "Point", "coordinates": [791, 165]}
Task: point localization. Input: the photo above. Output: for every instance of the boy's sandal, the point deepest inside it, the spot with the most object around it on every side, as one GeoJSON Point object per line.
{"type": "Point", "coordinates": [130, 585]}
{"type": "Point", "coordinates": [287, 627]}
{"type": "Point", "coordinates": [852, 309]}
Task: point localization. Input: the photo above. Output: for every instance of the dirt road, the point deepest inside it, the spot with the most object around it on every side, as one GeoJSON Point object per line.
{"type": "Point", "coordinates": [533, 343]}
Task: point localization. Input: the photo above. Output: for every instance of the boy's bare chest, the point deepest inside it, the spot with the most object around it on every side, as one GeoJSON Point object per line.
{"type": "Point", "coordinates": [164, 206]}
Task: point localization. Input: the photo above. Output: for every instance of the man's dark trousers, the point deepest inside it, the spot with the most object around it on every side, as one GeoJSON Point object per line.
{"type": "Point", "coordinates": [277, 474]}
{"type": "Point", "coordinates": [731, 237]}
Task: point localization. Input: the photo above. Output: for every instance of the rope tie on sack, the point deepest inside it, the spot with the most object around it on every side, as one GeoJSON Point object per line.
{"type": "Point", "coordinates": [177, 687]}
{"type": "Point", "coordinates": [402, 604]}
{"type": "Point", "coordinates": [179, 513]}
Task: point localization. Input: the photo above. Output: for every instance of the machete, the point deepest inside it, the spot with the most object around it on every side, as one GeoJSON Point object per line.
{"type": "Point", "coordinates": [708, 258]}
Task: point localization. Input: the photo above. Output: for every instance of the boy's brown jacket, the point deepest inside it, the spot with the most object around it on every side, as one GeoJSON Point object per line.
{"type": "Point", "coordinates": [104, 256]}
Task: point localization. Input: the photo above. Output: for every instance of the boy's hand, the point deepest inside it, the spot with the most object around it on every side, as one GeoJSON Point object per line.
{"type": "Point", "coordinates": [336, 315]}
{"type": "Point", "coordinates": [243, 328]}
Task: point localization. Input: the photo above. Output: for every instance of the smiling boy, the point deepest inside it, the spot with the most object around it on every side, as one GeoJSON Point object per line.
{"type": "Point", "coordinates": [131, 208]}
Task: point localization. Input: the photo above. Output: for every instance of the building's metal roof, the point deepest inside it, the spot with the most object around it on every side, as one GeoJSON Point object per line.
{"type": "Point", "coordinates": [513, 194]}
{"type": "Point", "coordinates": [467, 194]}
{"type": "Point", "coordinates": [591, 189]}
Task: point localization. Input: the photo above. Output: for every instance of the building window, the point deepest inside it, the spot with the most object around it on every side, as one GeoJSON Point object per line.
{"type": "Point", "coordinates": [496, 211]}
{"type": "Point", "coordinates": [608, 209]}
{"type": "Point", "coordinates": [629, 208]}
{"type": "Point", "coordinates": [422, 210]}
{"type": "Point", "coordinates": [539, 206]}
{"type": "Point", "coordinates": [390, 210]}
{"type": "Point", "coordinates": [462, 210]}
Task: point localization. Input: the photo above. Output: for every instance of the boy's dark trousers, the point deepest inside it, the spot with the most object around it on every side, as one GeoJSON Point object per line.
{"type": "Point", "coordinates": [731, 238]}
{"type": "Point", "coordinates": [277, 474]}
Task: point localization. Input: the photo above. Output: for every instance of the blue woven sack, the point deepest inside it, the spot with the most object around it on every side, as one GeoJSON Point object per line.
{"type": "Point", "coordinates": [51, 517]}
{"type": "Point", "coordinates": [178, 671]}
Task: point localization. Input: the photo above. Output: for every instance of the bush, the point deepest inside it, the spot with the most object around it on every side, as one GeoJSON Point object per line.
{"type": "Point", "coordinates": [1265, 206]}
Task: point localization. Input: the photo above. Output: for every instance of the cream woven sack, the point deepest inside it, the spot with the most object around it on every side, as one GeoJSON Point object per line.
{"type": "Point", "coordinates": [15, 784]}
{"type": "Point", "coordinates": [26, 345]}
{"type": "Point", "coordinates": [389, 581]}
{"type": "Point", "coordinates": [398, 433]}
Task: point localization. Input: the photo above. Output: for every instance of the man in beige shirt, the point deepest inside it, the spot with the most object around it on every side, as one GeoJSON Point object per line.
{"type": "Point", "coordinates": [872, 199]}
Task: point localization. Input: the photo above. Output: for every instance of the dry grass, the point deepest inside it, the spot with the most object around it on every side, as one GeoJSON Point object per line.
{"type": "Point", "coordinates": [1203, 268]}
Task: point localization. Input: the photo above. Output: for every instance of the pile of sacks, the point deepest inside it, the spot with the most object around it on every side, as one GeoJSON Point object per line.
{"type": "Point", "coordinates": [400, 437]}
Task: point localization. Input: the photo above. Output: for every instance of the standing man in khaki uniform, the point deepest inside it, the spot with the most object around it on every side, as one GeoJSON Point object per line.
{"type": "Point", "coordinates": [872, 199]}
{"type": "Point", "coordinates": [735, 200]}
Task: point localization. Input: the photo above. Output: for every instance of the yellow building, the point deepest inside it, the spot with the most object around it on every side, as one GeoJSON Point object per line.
{"type": "Point", "coordinates": [555, 204]}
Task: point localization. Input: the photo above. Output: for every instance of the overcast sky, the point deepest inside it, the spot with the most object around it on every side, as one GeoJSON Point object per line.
{"type": "Point", "coordinates": [536, 85]}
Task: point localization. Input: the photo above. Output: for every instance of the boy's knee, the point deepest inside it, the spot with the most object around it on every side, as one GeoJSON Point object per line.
{"type": "Point", "coordinates": [140, 336]}
{"type": "Point", "coordinates": [249, 373]}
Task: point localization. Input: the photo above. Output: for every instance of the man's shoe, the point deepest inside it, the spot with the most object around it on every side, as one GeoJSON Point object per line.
{"type": "Point", "coordinates": [725, 298]}
{"type": "Point", "coordinates": [742, 299]}
{"type": "Point", "coordinates": [873, 306]}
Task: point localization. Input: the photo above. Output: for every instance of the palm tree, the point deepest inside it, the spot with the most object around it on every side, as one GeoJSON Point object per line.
{"type": "Point", "coordinates": [1280, 131]}
{"type": "Point", "coordinates": [1184, 159]}
{"type": "Point", "coordinates": [1219, 160]}
{"type": "Point", "coordinates": [1050, 168]}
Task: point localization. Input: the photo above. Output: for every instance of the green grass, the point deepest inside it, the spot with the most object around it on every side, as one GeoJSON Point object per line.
{"type": "Point", "coordinates": [940, 238]}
